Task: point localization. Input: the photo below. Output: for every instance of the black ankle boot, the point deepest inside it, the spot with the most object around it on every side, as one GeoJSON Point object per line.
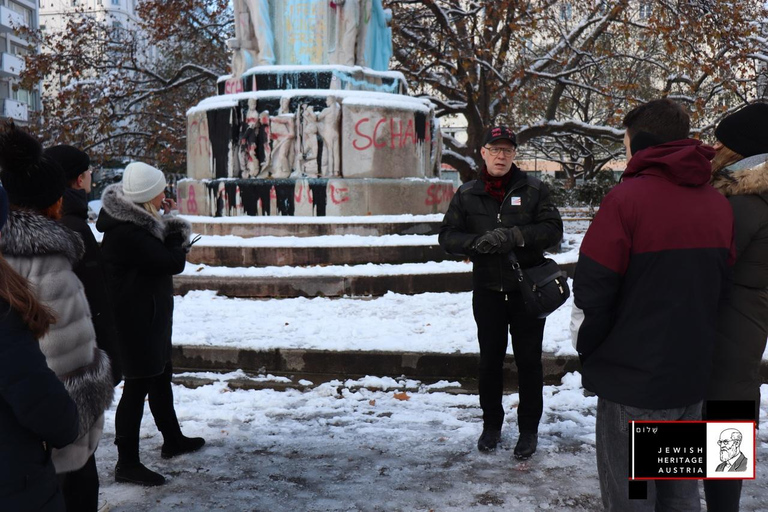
{"type": "Point", "coordinates": [489, 439]}
{"type": "Point", "coordinates": [526, 445]}
{"type": "Point", "coordinates": [129, 468]}
{"type": "Point", "coordinates": [180, 444]}
{"type": "Point", "coordinates": [137, 473]}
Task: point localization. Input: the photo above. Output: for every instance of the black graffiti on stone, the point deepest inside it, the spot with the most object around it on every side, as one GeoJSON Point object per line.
{"type": "Point", "coordinates": [221, 132]}
{"type": "Point", "coordinates": [253, 197]}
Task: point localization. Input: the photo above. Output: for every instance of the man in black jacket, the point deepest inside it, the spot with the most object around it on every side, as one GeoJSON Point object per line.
{"type": "Point", "coordinates": [651, 271]}
{"type": "Point", "coordinates": [503, 211]}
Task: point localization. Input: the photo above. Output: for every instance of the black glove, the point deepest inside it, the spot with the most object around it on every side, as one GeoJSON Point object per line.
{"type": "Point", "coordinates": [492, 242]}
{"type": "Point", "coordinates": [505, 242]}
{"type": "Point", "coordinates": [485, 243]}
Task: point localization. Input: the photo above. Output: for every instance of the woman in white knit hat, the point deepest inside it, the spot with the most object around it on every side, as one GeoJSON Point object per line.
{"type": "Point", "coordinates": [142, 250]}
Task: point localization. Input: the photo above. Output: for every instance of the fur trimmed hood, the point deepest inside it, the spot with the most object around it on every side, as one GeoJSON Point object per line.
{"type": "Point", "coordinates": [747, 176]}
{"type": "Point", "coordinates": [30, 234]}
{"type": "Point", "coordinates": [117, 206]}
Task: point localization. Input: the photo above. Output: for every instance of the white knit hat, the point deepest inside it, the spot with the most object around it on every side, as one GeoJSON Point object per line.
{"type": "Point", "coordinates": [142, 182]}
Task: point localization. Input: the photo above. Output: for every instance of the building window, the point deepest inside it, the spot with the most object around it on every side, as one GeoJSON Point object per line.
{"type": "Point", "coordinates": [21, 51]}
{"type": "Point", "coordinates": [115, 2]}
{"type": "Point", "coordinates": [24, 11]}
{"type": "Point", "coordinates": [645, 10]}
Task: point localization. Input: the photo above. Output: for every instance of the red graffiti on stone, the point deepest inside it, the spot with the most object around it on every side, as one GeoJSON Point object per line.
{"type": "Point", "coordinates": [339, 195]}
{"type": "Point", "coordinates": [198, 132]}
{"type": "Point", "coordinates": [233, 86]}
{"type": "Point", "coordinates": [299, 192]}
{"type": "Point", "coordinates": [373, 133]}
{"type": "Point", "coordinates": [191, 202]}
{"type": "Point", "coordinates": [438, 194]}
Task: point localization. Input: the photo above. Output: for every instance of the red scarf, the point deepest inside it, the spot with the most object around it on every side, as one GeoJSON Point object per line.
{"type": "Point", "coordinates": [497, 186]}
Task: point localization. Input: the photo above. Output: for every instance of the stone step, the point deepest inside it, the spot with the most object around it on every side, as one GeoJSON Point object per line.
{"type": "Point", "coordinates": [374, 225]}
{"type": "Point", "coordinates": [262, 256]}
{"type": "Point", "coordinates": [324, 365]}
{"type": "Point", "coordinates": [320, 226]}
{"type": "Point", "coordinates": [331, 285]}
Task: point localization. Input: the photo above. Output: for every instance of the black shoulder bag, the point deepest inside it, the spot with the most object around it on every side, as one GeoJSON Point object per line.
{"type": "Point", "coordinates": [544, 287]}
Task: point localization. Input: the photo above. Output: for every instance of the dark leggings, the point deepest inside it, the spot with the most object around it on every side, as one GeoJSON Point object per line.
{"type": "Point", "coordinates": [131, 407]}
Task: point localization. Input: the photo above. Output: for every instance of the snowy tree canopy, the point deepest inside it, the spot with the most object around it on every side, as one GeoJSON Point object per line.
{"type": "Point", "coordinates": [564, 73]}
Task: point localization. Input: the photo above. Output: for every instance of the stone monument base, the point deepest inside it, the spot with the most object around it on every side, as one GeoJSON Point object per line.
{"type": "Point", "coordinates": [309, 197]}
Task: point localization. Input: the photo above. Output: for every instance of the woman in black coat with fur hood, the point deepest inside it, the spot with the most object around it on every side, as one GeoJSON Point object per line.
{"type": "Point", "coordinates": [740, 172]}
{"type": "Point", "coordinates": [142, 250]}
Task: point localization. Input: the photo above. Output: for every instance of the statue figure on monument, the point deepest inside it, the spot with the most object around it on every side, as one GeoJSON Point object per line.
{"type": "Point", "coordinates": [283, 137]}
{"type": "Point", "coordinates": [254, 41]}
{"type": "Point", "coordinates": [347, 28]}
{"type": "Point", "coordinates": [247, 142]}
{"type": "Point", "coordinates": [329, 125]}
{"type": "Point", "coordinates": [309, 146]}
{"type": "Point", "coordinates": [378, 38]}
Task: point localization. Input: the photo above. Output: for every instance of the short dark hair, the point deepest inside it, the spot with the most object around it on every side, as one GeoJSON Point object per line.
{"type": "Point", "coordinates": [664, 119]}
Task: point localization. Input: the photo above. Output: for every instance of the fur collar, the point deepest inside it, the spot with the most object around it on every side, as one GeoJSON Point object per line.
{"type": "Point", "coordinates": [749, 176]}
{"type": "Point", "coordinates": [114, 203]}
{"type": "Point", "coordinates": [28, 233]}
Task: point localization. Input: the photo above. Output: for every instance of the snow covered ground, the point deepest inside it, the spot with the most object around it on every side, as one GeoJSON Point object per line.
{"type": "Point", "coordinates": [428, 322]}
{"type": "Point", "coordinates": [370, 445]}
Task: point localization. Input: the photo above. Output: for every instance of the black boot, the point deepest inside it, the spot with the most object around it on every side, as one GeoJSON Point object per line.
{"type": "Point", "coordinates": [489, 439]}
{"type": "Point", "coordinates": [526, 445]}
{"type": "Point", "coordinates": [129, 468]}
{"type": "Point", "coordinates": [178, 444]}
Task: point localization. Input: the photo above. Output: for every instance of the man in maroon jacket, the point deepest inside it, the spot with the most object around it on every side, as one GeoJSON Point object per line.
{"type": "Point", "coordinates": [650, 274]}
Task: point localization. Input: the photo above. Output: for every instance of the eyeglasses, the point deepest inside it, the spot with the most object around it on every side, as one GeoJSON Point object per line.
{"type": "Point", "coordinates": [726, 442]}
{"type": "Point", "coordinates": [495, 151]}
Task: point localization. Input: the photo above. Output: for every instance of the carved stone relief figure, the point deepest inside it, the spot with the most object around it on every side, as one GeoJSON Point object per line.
{"type": "Point", "coordinates": [329, 125]}
{"type": "Point", "coordinates": [309, 146]}
{"type": "Point", "coordinates": [248, 140]}
{"type": "Point", "coordinates": [283, 139]}
{"type": "Point", "coordinates": [264, 144]}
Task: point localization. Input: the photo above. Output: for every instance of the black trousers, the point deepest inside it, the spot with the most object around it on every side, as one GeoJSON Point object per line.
{"type": "Point", "coordinates": [131, 407]}
{"type": "Point", "coordinates": [81, 488]}
{"type": "Point", "coordinates": [496, 314]}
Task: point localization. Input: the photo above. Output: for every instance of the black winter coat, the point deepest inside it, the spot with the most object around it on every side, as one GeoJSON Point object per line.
{"type": "Point", "coordinates": [36, 414]}
{"type": "Point", "coordinates": [742, 327]}
{"type": "Point", "coordinates": [90, 271]}
{"type": "Point", "coordinates": [142, 253]}
{"type": "Point", "coordinates": [473, 211]}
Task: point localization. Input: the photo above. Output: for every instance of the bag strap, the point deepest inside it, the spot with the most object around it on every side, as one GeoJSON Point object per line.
{"type": "Point", "coordinates": [515, 265]}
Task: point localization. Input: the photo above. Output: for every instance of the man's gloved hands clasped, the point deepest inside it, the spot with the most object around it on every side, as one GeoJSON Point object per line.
{"type": "Point", "coordinates": [498, 241]}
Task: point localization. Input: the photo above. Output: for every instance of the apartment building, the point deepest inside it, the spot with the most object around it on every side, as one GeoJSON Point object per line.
{"type": "Point", "coordinates": [119, 13]}
{"type": "Point", "coordinates": [16, 104]}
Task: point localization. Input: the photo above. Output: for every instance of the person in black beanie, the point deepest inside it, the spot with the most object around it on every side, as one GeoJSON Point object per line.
{"type": "Point", "coordinates": [90, 270]}
{"type": "Point", "coordinates": [740, 172]}
{"type": "Point", "coordinates": [44, 252]}
{"type": "Point", "coordinates": [505, 210]}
